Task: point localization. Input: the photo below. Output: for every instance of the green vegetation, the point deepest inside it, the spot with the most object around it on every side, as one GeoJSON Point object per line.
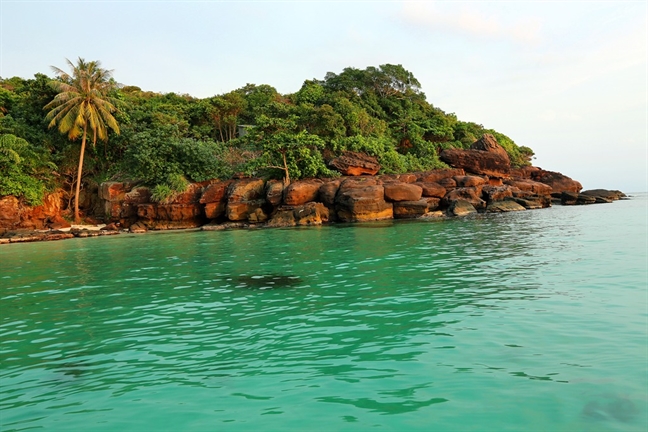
{"type": "Point", "coordinates": [168, 140]}
{"type": "Point", "coordinates": [82, 105]}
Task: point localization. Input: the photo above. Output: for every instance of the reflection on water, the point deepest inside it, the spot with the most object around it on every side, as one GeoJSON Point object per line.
{"type": "Point", "coordinates": [500, 322]}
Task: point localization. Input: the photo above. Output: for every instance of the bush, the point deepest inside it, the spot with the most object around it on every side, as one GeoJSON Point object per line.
{"type": "Point", "coordinates": [27, 172]}
{"type": "Point", "coordinates": [157, 159]}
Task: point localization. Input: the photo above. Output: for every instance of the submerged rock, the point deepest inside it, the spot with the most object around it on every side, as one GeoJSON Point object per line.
{"type": "Point", "coordinates": [267, 281]}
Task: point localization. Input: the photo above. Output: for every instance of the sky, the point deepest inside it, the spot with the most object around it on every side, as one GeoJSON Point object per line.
{"type": "Point", "coordinates": [566, 78]}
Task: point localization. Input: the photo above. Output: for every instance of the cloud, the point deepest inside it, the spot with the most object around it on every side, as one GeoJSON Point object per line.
{"type": "Point", "coordinates": [469, 21]}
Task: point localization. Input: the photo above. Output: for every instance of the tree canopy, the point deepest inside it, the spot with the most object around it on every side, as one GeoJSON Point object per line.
{"type": "Point", "coordinates": [166, 140]}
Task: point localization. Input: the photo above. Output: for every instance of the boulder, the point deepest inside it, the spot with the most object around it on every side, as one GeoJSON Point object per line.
{"type": "Point", "coordinates": [611, 195]}
{"type": "Point", "coordinates": [308, 214]}
{"type": "Point", "coordinates": [470, 181]}
{"type": "Point", "coordinates": [246, 190]}
{"type": "Point", "coordinates": [573, 198]}
{"type": "Point", "coordinates": [558, 182]}
{"type": "Point", "coordinates": [399, 191]}
{"type": "Point", "coordinates": [214, 197]}
{"type": "Point", "coordinates": [477, 162]}
{"type": "Point", "coordinates": [497, 193]}
{"type": "Point", "coordinates": [257, 216]}
{"type": "Point", "coordinates": [470, 195]}
{"type": "Point", "coordinates": [433, 203]}
{"type": "Point", "coordinates": [410, 209]}
{"type": "Point", "coordinates": [529, 186]}
{"type": "Point", "coordinates": [15, 214]}
{"type": "Point", "coordinates": [488, 143]}
{"type": "Point", "coordinates": [57, 222]}
{"type": "Point", "coordinates": [327, 192]}
{"type": "Point", "coordinates": [504, 206]}
{"type": "Point", "coordinates": [301, 192]}
{"type": "Point", "coordinates": [355, 164]}
{"type": "Point", "coordinates": [239, 211]}
{"type": "Point", "coordinates": [432, 189]}
{"type": "Point", "coordinates": [534, 202]}
{"type": "Point", "coordinates": [461, 208]}
{"type": "Point", "coordinates": [244, 197]}
{"type": "Point", "coordinates": [435, 175]}
{"type": "Point", "coordinates": [274, 192]}
{"type": "Point", "coordinates": [362, 201]}
{"type": "Point", "coordinates": [9, 212]}
{"type": "Point", "coordinates": [448, 183]}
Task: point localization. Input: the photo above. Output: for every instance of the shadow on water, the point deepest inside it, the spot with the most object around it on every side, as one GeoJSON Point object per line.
{"type": "Point", "coordinates": [267, 281]}
{"type": "Point", "coordinates": [611, 407]}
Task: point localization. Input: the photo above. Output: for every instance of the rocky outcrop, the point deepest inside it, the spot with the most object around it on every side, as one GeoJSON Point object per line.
{"type": "Point", "coordinates": [504, 206]}
{"type": "Point", "coordinates": [214, 198]}
{"type": "Point", "coordinates": [355, 164]}
{"type": "Point", "coordinates": [529, 186]}
{"type": "Point", "coordinates": [485, 157]}
{"type": "Point", "coordinates": [558, 182]}
{"type": "Point", "coordinates": [308, 214]}
{"type": "Point", "coordinates": [461, 208]}
{"type": "Point", "coordinates": [362, 200]}
{"type": "Point", "coordinates": [301, 192]}
{"type": "Point", "coordinates": [16, 215]}
{"type": "Point", "coordinates": [610, 195]}
{"type": "Point", "coordinates": [398, 191]}
{"type": "Point", "coordinates": [184, 211]}
{"type": "Point", "coordinates": [244, 197]}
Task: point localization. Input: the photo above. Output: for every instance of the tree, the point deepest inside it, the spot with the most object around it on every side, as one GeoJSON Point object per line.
{"type": "Point", "coordinates": [83, 106]}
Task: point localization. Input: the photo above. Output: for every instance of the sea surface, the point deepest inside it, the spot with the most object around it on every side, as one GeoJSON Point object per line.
{"type": "Point", "coordinates": [534, 321]}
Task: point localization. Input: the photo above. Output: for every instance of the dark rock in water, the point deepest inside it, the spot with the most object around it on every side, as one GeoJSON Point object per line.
{"type": "Point", "coordinates": [461, 208]}
{"type": "Point", "coordinates": [504, 206]}
{"type": "Point", "coordinates": [572, 198]}
{"type": "Point", "coordinates": [608, 195]}
{"type": "Point", "coordinates": [267, 281]}
{"type": "Point", "coordinates": [611, 408]}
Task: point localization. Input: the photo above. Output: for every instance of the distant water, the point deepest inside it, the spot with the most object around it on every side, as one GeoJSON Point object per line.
{"type": "Point", "coordinates": [535, 320]}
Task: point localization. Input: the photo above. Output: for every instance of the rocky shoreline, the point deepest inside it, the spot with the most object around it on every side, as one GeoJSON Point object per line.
{"type": "Point", "coordinates": [480, 180]}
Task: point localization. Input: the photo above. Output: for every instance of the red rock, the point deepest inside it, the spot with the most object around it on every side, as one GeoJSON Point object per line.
{"type": "Point", "coordinates": [432, 189]}
{"type": "Point", "coordinates": [308, 214]}
{"type": "Point", "coordinates": [433, 203]}
{"type": "Point", "coordinates": [274, 192]}
{"type": "Point", "coordinates": [504, 206]}
{"type": "Point", "coordinates": [57, 222]}
{"type": "Point", "coordinates": [497, 193]}
{"type": "Point", "coordinates": [530, 186]}
{"type": "Point", "coordinates": [410, 209]}
{"type": "Point", "coordinates": [477, 162]}
{"type": "Point", "coordinates": [402, 192]}
{"type": "Point", "coordinates": [246, 190]}
{"type": "Point", "coordinates": [301, 192]}
{"type": "Point", "coordinates": [214, 197]}
{"type": "Point", "coordinates": [470, 181]}
{"type": "Point", "coordinates": [362, 201]}
{"type": "Point", "coordinates": [448, 183]}
{"type": "Point", "coordinates": [488, 143]}
{"type": "Point", "coordinates": [239, 211]}
{"type": "Point", "coordinates": [215, 192]}
{"type": "Point", "coordinates": [557, 181]}
{"type": "Point", "coordinates": [327, 192]}
{"type": "Point", "coordinates": [9, 212]}
{"type": "Point", "coordinates": [355, 164]}
{"type": "Point", "coordinates": [435, 175]}
{"type": "Point", "coordinates": [461, 208]}
{"type": "Point", "coordinates": [470, 195]}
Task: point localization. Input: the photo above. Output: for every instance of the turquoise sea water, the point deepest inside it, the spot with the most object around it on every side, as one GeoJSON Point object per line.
{"type": "Point", "coordinates": [535, 320]}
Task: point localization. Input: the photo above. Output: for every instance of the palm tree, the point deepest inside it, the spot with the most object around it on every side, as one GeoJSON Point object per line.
{"type": "Point", "coordinates": [83, 106]}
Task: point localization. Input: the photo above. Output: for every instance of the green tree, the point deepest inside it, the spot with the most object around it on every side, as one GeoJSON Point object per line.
{"type": "Point", "coordinates": [83, 106]}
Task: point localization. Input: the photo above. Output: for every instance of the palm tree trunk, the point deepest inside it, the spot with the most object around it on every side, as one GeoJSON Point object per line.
{"type": "Point", "coordinates": [287, 173]}
{"type": "Point", "coordinates": [77, 219]}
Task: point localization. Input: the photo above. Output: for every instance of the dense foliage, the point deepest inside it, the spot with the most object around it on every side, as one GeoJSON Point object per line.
{"type": "Point", "coordinates": [167, 140]}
